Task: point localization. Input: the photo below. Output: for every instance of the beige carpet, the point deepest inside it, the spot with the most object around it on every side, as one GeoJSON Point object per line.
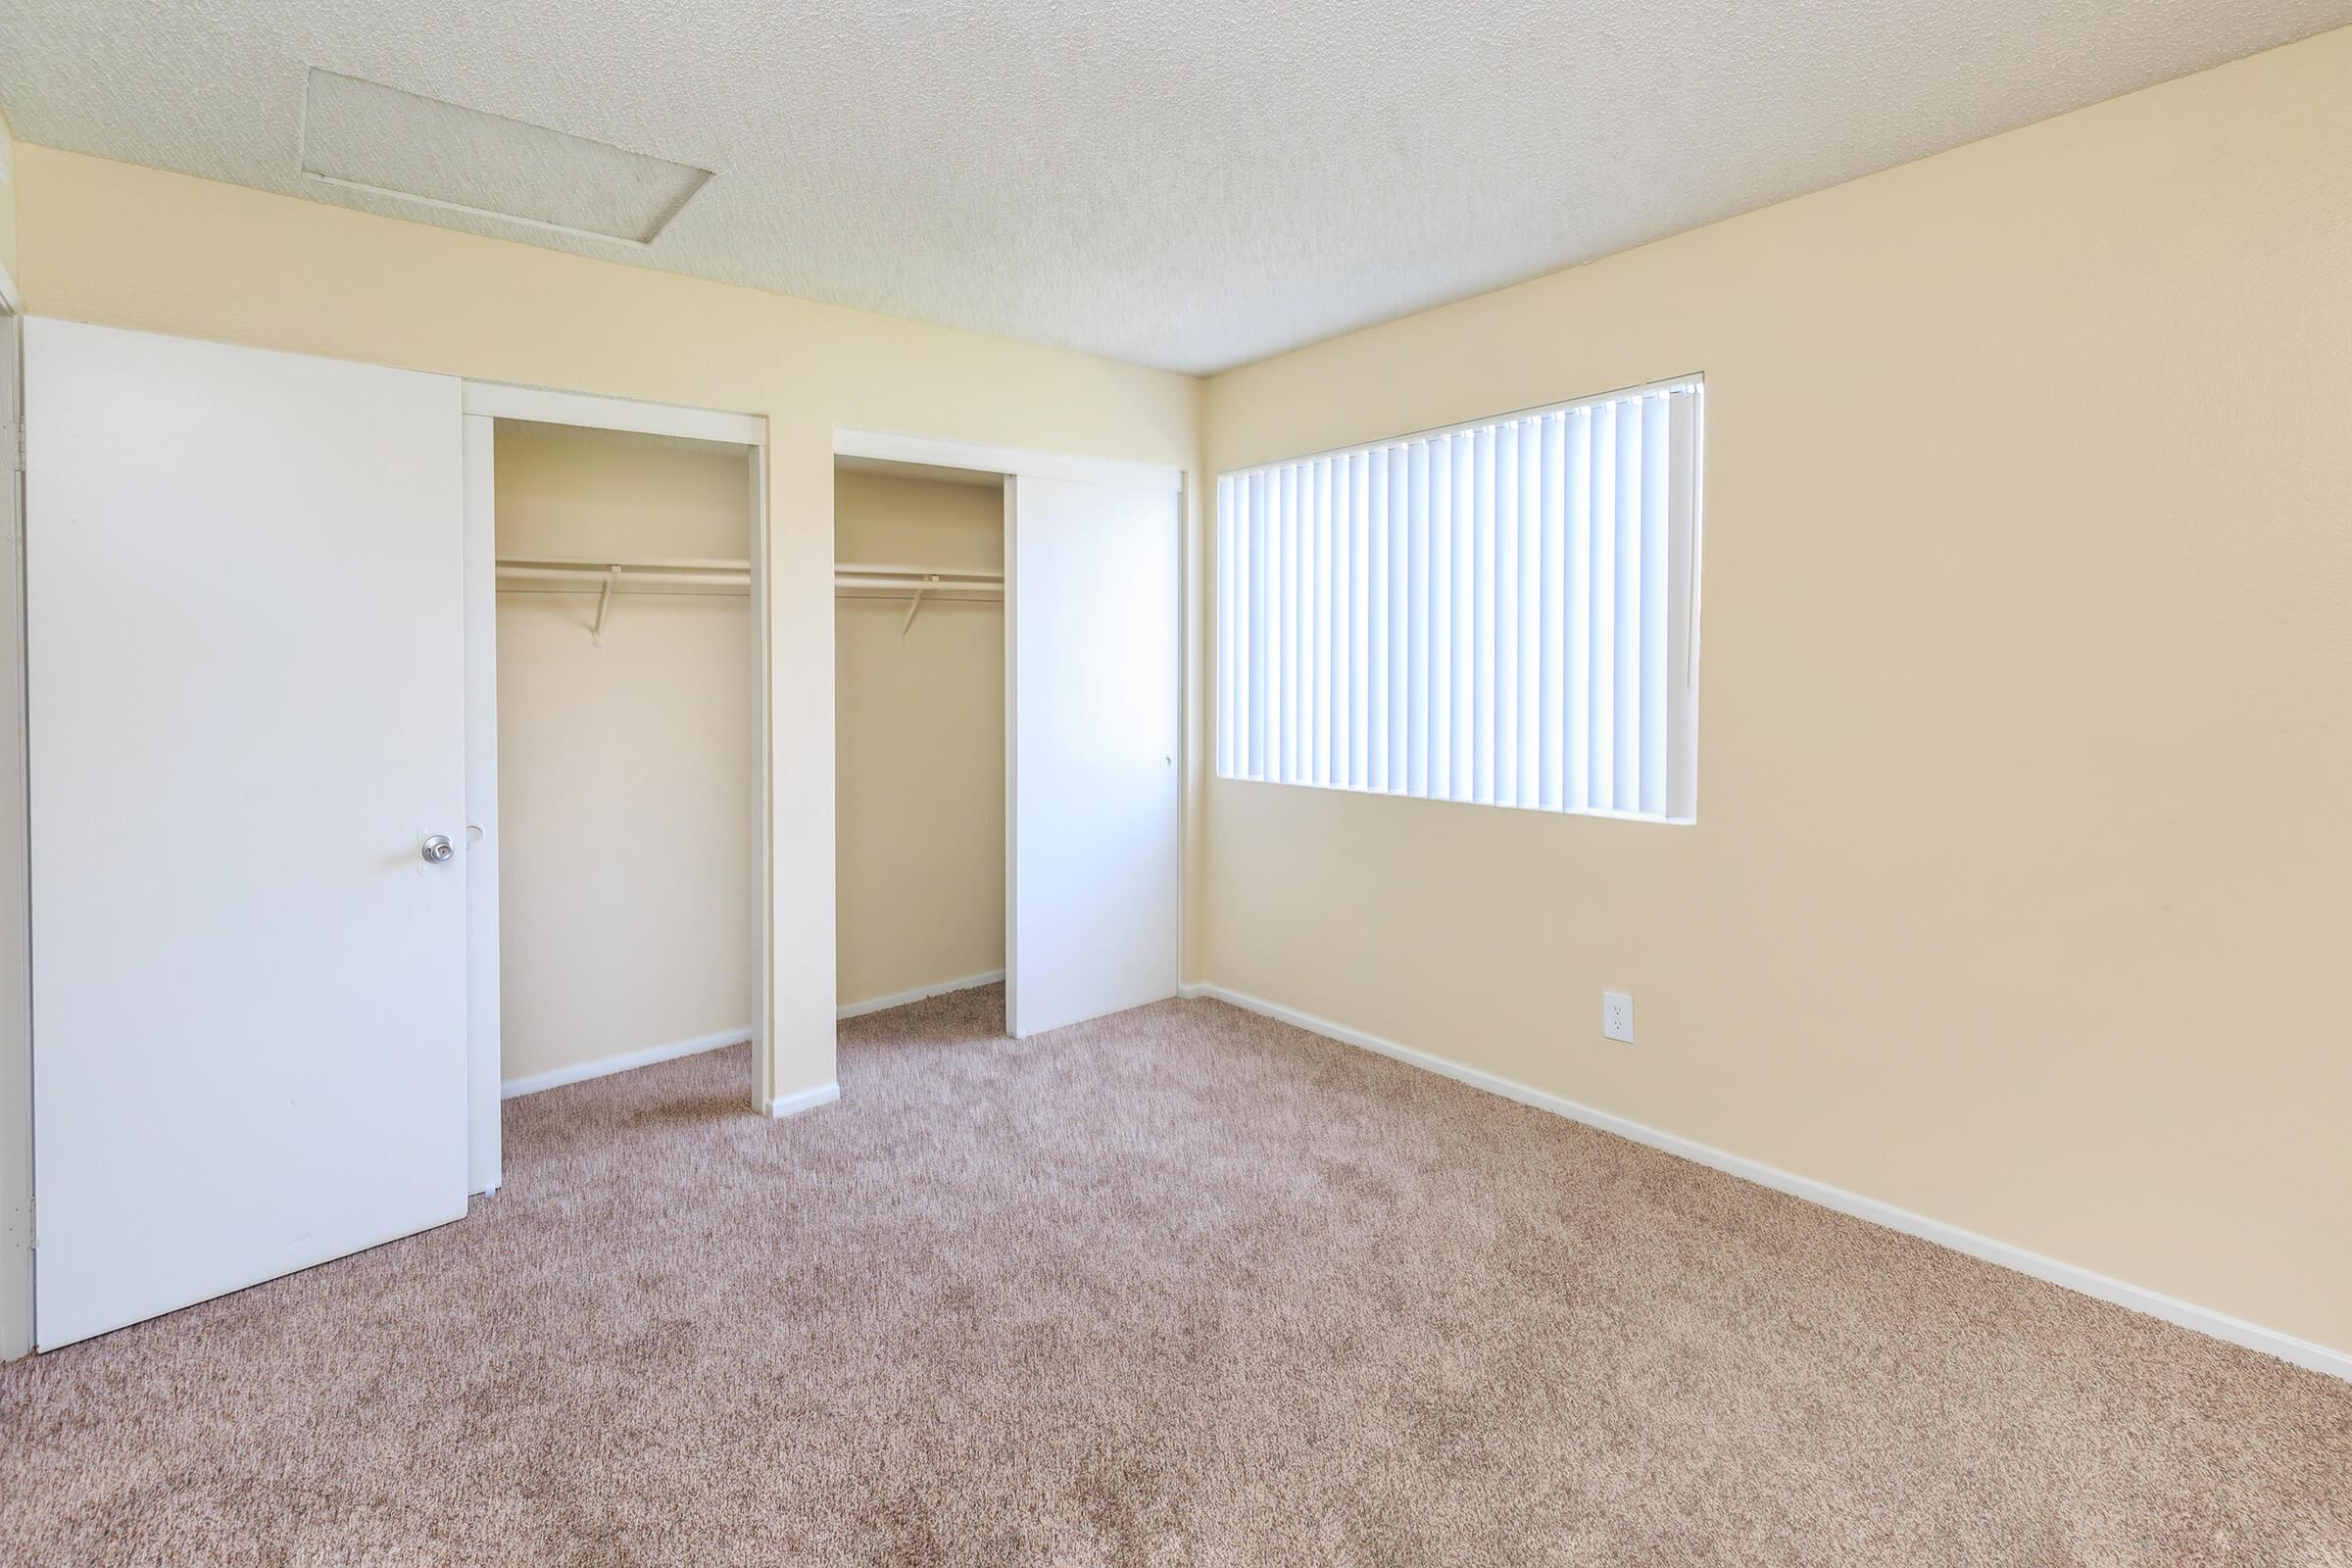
{"type": "Point", "coordinates": [1180, 1287]}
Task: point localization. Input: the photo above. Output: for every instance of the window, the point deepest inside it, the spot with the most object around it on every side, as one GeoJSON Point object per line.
{"type": "Point", "coordinates": [1506, 613]}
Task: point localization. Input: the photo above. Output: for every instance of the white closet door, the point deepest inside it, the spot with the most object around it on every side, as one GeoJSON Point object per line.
{"type": "Point", "coordinates": [247, 704]}
{"type": "Point", "coordinates": [1095, 713]}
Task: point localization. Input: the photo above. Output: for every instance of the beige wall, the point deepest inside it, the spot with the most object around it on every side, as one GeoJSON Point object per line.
{"type": "Point", "coordinates": [628, 774]}
{"type": "Point", "coordinates": [2017, 896]}
{"type": "Point", "coordinates": [107, 242]}
{"type": "Point", "coordinates": [8, 200]}
{"type": "Point", "coordinates": [920, 743]}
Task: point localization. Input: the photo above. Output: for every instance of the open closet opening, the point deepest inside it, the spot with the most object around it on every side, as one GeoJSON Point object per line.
{"type": "Point", "coordinates": [919, 738]}
{"type": "Point", "coordinates": [627, 760]}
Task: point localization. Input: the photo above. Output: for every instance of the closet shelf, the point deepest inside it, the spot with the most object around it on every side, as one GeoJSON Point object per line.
{"type": "Point", "coordinates": [603, 577]}
{"type": "Point", "coordinates": [864, 580]}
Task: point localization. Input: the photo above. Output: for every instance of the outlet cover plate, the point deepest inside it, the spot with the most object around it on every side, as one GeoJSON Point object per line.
{"type": "Point", "coordinates": [1617, 1016]}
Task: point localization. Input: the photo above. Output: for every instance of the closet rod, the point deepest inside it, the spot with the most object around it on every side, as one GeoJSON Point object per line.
{"type": "Point", "coordinates": [858, 568]}
{"type": "Point", "coordinates": [625, 576]}
{"type": "Point", "coordinates": [912, 584]}
{"type": "Point", "coordinates": [642, 577]}
{"type": "Point", "coordinates": [633, 563]}
{"type": "Point", "coordinates": [917, 583]}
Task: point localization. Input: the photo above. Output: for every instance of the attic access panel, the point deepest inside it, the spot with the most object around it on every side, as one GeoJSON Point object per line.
{"type": "Point", "coordinates": [365, 136]}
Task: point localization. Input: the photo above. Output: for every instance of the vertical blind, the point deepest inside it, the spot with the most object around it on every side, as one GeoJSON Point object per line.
{"type": "Point", "coordinates": [1504, 614]}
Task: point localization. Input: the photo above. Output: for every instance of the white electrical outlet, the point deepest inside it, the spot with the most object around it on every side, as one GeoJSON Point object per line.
{"type": "Point", "coordinates": [1617, 1016]}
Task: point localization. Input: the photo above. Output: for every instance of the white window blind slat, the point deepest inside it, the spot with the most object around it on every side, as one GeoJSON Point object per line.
{"type": "Point", "coordinates": [1505, 513]}
{"type": "Point", "coordinates": [1461, 662]}
{"type": "Point", "coordinates": [1657, 455]}
{"type": "Point", "coordinates": [1482, 616]}
{"type": "Point", "coordinates": [1625, 701]}
{"type": "Point", "coordinates": [1440, 754]}
{"type": "Point", "coordinates": [1316, 649]}
{"type": "Point", "coordinates": [1504, 613]}
{"type": "Point", "coordinates": [1575, 494]}
{"type": "Point", "coordinates": [1552, 702]}
{"type": "Point", "coordinates": [1372, 644]}
{"type": "Point", "coordinates": [1357, 646]}
{"type": "Point", "coordinates": [1417, 648]}
{"type": "Point", "coordinates": [1528, 644]}
{"type": "Point", "coordinates": [1335, 628]}
{"type": "Point", "coordinates": [1602, 719]}
{"type": "Point", "coordinates": [1400, 544]}
{"type": "Point", "coordinates": [1290, 718]}
{"type": "Point", "coordinates": [1232, 656]}
{"type": "Point", "coordinates": [1254, 595]}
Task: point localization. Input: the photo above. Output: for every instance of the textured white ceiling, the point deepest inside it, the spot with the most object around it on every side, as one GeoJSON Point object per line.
{"type": "Point", "coordinates": [1185, 184]}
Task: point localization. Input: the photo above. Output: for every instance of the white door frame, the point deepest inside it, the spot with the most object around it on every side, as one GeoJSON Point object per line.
{"type": "Point", "coordinates": [494, 399]}
{"type": "Point", "coordinates": [1015, 462]}
{"type": "Point", "coordinates": [16, 909]}
{"type": "Point", "coordinates": [485, 1167]}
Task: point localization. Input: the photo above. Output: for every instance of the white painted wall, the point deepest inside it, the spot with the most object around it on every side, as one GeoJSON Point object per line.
{"type": "Point", "coordinates": [628, 795]}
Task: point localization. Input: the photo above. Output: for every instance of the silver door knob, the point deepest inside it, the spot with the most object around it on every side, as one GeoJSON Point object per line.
{"type": "Point", "coordinates": [437, 849]}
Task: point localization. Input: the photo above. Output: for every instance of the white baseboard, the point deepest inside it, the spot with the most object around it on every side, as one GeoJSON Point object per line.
{"type": "Point", "coordinates": [804, 1100]}
{"type": "Point", "coordinates": [579, 1072]}
{"type": "Point", "coordinates": [858, 1009]}
{"type": "Point", "coordinates": [2188, 1315]}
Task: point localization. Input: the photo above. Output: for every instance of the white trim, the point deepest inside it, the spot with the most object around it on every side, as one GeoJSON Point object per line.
{"type": "Point", "coordinates": [2184, 1314]}
{"type": "Point", "coordinates": [858, 1009]}
{"type": "Point", "coordinates": [793, 1105]}
{"type": "Point", "coordinates": [17, 1216]}
{"type": "Point", "coordinates": [501, 401]}
{"type": "Point", "coordinates": [897, 446]}
{"type": "Point", "coordinates": [763, 674]}
{"type": "Point", "coordinates": [1012, 756]}
{"type": "Point", "coordinates": [12, 303]}
{"type": "Point", "coordinates": [484, 1129]}
{"type": "Point", "coordinates": [582, 1071]}
{"type": "Point", "coordinates": [1195, 548]}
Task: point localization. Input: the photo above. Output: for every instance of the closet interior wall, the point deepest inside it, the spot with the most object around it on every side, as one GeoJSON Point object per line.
{"type": "Point", "coordinates": [919, 744]}
{"type": "Point", "coordinates": [627, 772]}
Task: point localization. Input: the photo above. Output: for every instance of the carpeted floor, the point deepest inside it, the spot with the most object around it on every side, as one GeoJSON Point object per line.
{"type": "Point", "coordinates": [1183, 1286]}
